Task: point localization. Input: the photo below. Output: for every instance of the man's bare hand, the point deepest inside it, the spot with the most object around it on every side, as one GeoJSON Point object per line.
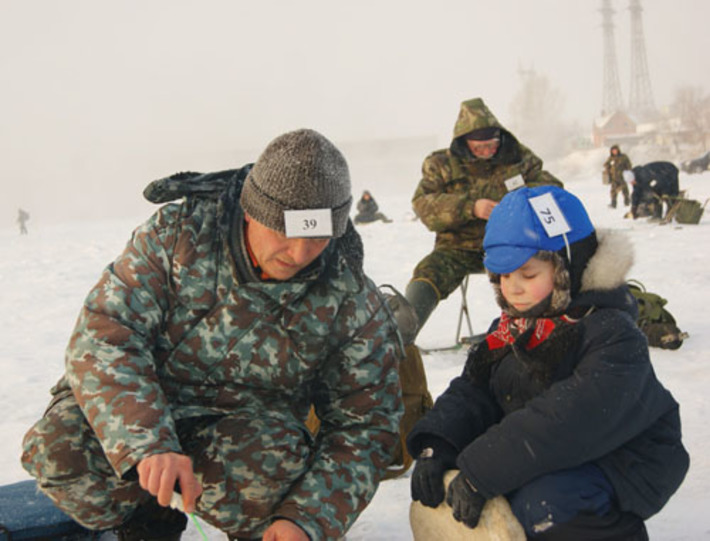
{"type": "Point", "coordinates": [284, 530]}
{"type": "Point", "coordinates": [482, 208]}
{"type": "Point", "coordinates": [158, 473]}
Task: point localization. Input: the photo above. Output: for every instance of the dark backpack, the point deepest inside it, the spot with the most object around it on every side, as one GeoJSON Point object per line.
{"type": "Point", "coordinates": [657, 323]}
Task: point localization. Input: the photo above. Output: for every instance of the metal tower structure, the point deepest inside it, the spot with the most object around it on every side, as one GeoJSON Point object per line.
{"type": "Point", "coordinates": [611, 94]}
{"type": "Point", "coordinates": [641, 102]}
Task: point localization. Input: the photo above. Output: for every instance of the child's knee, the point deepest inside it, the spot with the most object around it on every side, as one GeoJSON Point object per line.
{"type": "Point", "coordinates": [559, 497]}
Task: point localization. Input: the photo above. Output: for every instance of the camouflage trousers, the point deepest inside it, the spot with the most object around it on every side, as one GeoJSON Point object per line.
{"type": "Point", "coordinates": [616, 187]}
{"type": "Point", "coordinates": [245, 468]}
{"type": "Point", "coordinates": [445, 268]}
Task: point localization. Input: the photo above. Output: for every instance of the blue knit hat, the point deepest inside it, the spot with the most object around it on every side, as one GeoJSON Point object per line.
{"type": "Point", "coordinates": [529, 220]}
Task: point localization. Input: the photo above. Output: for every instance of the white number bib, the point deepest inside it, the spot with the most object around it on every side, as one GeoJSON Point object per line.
{"type": "Point", "coordinates": [308, 223]}
{"type": "Point", "coordinates": [515, 183]}
{"type": "Point", "coordinates": [550, 215]}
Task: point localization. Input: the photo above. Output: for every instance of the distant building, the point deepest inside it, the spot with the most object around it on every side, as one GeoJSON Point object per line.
{"type": "Point", "coordinates": [614, 128]}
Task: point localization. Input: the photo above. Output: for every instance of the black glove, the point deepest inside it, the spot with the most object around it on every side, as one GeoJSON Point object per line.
{"type": "Point", "coordinates": [465, 501]}
{"type": "Point", "coordinates": [428, 481]}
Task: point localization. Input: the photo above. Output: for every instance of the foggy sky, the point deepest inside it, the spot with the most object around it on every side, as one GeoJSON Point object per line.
{"type": "Point", "coordinates": [99, 97]}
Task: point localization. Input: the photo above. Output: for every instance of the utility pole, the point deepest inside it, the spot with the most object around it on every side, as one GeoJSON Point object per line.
{"type": "Point", "coordinates": [611, 92]}
{"type": "Point", "coordinates": [641, 103]}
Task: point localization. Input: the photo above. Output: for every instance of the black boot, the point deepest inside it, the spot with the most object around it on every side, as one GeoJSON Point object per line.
{"type": "Point", "coordinates": [612, 527]}
{"type": "Point", "coordinates": [403, 312]}
{"type": "Point", "coordinates": [153, 522]}
{"type": "Point", "coordinates": [412, 309]}
{"type": "Point", "coordinates": [423, 297]}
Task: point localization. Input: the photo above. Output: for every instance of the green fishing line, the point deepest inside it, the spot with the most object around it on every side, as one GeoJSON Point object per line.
{"type": "Point", "coordinates": [199, 528]}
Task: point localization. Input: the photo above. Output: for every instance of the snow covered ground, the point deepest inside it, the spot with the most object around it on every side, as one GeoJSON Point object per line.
{"type": "Point", "coordinates": [44, 277]}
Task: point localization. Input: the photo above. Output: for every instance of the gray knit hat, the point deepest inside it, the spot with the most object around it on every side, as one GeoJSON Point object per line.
{"type": "Point", "coordinates": [299, 170]}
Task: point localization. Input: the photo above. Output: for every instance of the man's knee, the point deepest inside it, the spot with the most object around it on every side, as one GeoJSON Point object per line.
{"type": "Point", "coordinates": [95, 502]}
{"type": "Point", "coordinates": [445, 269]}
{"type": "Point", "coordinates": [60, 446]}
{"type": "Point", "coordinates": [63, 454]}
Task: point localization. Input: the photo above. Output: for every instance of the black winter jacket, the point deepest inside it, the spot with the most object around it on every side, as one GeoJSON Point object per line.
{"type": "Point", "coordinates": [601, 402]}
{"type": "Point", "coordinates": [659, 178]}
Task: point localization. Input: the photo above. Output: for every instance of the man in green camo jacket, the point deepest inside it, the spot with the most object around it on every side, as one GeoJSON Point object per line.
{"type": "Point", "coordinates": [614, 168]}
{"type": "Point", "coordinates": [197, 356]}
{"type": "Point", "coordinates": [460, 185]}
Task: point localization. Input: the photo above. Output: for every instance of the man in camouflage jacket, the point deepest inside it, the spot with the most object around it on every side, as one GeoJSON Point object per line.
{"type": "Point", "coordinates": [460, 185]}
{"type": "Point", "coordinates": [614, 167]}
{"type": "Point", "coordinates": [197, 355]}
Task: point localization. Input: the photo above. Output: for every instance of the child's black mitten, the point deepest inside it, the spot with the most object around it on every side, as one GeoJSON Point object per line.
{"type": "Point", "coordinates": [465, 501]}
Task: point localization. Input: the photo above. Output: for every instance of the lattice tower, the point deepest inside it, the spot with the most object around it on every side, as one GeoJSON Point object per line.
{"type": "Point", "coordinates": [640, 96]}
{"type": "Point", "coordinates": [611, 94]}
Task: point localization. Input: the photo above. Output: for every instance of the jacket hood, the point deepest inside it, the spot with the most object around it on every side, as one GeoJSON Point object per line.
{"type": "Point", "coordinates": [608, 267]}
{"type": "Point", "coordinates": [473, 115]}
{"type": "Point", "coordinates": [604, 279]}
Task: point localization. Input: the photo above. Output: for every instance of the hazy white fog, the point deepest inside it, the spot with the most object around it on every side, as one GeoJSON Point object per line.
{"type": "Point", "coordinates": [99, 97]}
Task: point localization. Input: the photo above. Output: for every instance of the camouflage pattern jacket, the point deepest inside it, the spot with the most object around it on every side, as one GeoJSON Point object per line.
{"type": "Point", "coordinates": [616, 165]}
{"type": "Point", "coordinates": [178, 327]}
{"type": "Point", "coordinates": [453, 179]}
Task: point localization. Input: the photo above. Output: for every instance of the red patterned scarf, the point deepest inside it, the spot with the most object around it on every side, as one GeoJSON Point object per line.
{"type": "Point", "coordinates": [509, 329]}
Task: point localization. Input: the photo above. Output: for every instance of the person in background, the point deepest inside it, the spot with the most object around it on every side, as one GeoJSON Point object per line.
{"type": "Point", "coordinates": [614, 167]}
{"type": "Point", "coordinates": [197, 355]}
{"type": "Point", "coordinates": [559, 408]}
{"type": "Point", "coordinates": [22, 217]}
{"type": "Point", "coordinates": [368, 210]}
{"type": "Point", "coordinates": [459, 188]}
{"type": "Point", "coordinates": [653, 184]}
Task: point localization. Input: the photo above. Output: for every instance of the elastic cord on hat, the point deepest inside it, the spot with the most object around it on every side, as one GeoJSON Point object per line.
{"type": "Point", "coordinates": [567, 248]}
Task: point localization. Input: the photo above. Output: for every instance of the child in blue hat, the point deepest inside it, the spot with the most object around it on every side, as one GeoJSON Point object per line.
{"type": "Point", "coordinates": [559, 408]}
